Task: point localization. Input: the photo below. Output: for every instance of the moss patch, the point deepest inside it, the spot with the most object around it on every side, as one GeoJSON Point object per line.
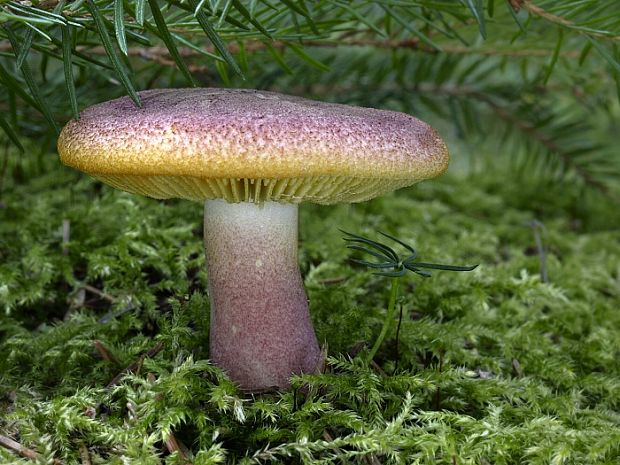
{"type": "Point", "coordinates": [491, 367]}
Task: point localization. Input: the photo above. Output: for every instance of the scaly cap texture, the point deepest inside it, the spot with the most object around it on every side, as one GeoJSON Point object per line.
{"type": "Point", "coordinates": [248, 145]}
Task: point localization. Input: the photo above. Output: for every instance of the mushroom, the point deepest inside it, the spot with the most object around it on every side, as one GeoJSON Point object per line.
{"type": "Point", "coordinates": [252, 157]}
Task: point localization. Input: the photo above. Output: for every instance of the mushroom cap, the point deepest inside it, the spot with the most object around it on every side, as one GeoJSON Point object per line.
{"type": "Point", "coordinates": [248, 145]}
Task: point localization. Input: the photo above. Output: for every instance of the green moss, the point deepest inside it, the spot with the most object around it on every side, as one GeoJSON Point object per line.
{"type": "Point", "coordinates": [492, 367]}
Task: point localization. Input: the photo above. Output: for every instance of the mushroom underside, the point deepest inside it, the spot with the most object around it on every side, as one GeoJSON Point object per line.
{"type": "Point", "coordinates": [327, 189]}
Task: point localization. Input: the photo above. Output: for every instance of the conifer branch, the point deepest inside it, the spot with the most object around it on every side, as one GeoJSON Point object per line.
{"type": "Point", "coordinates": [527, 128]}
{"type": "Point", "coordinates": [310, 42]}
{"type": "Point", "coordinates": [545, 140]}
{"type": "Point", "coordinates": [161, 55]}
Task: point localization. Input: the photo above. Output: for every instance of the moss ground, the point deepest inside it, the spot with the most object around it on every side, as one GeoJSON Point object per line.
{"type": "Point", "coordinates": [495, 366]}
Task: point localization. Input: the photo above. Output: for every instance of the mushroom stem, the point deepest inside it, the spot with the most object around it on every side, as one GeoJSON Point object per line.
{"type": "Point", "coordinates": [261, 332]}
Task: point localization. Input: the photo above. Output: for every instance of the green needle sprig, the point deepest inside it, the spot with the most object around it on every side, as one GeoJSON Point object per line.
{"type": "Point", "coordinates": [390, 264]}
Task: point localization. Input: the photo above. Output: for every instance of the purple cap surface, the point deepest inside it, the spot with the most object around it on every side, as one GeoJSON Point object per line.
{"type": "Point", "coordinates": [247, 145]}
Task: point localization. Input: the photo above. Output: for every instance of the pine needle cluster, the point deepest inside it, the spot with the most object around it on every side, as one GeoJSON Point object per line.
{"type": "Point", "coordinates": [536, 81]}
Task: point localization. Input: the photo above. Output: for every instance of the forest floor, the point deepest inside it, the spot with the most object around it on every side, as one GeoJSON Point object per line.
{"type": "Point", "coordinates": [515, 362]}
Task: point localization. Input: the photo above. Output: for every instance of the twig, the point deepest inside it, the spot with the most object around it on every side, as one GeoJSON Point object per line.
{"type": "Point", "coordinates": [100, 293]}
{"type": "Point", "coordinates": [357, 348]}
{"type": "Point", "coordinates": [174, 445]}
{"type": "Point", "coordinates": [556, 19]}
{"type": "Point", "coordinates": [111, 314]}
{"type": "Point", "coordinates": [157, 53]}
{"type": "Point", "coordinates": [84, 455]}
{"type": "Point", "coordinates": [378, 368]}
{"type": "Point", "coordinates": [162, 56]}
{"type": "Point", "coordinates": [135, 366]}
{"type": "Point", "coordinates": [538, 11]}
{"type": "Point", "coordinates": [104, 352]}
{"type": "Point", "coordinates": [16, 447]}
{"type": "Point", "coordinates": [516, 5]}
{"type": "Point", "coordinates": [47, 4]}
{"type": "Point", "coordinates": [329, 438]}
